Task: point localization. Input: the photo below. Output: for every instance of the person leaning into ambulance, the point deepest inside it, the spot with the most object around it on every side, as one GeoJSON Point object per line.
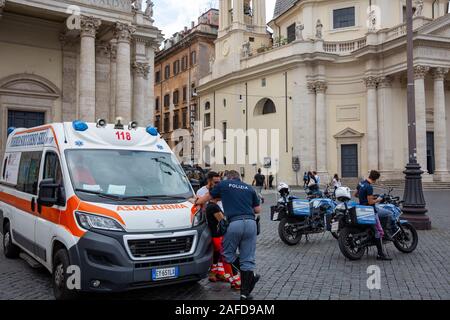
{"type": "Point", "coordinates": [220, 270]}
{"type": "Point", "coordinates": [241, 206]}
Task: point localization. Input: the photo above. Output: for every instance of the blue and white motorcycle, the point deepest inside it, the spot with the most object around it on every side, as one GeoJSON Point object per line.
{"type": "Point", "coordinates": [357, 225]}
{"type": "Point", "coordinates": [299, 217]}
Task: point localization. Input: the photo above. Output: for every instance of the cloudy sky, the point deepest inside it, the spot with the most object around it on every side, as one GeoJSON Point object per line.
{"type": "Point", "coordinates": [172, 15]}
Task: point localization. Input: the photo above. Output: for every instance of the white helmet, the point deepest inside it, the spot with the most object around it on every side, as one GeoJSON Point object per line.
{"type": "Point", "coordinates": [343, 194]}
{"type": "Point", "coordinates": [283, 186]}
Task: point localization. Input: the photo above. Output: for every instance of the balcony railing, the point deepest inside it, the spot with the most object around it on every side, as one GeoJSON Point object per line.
{"type": "Point", "coordinates": [344, 47]}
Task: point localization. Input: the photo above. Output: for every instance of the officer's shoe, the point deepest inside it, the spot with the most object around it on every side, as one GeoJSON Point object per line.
{"type": "Point", "coordinates": [248, 282]}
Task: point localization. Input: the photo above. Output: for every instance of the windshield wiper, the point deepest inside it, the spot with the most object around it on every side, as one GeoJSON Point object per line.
{"type": "Point", "coordinates": [101, 194]}
{"type": "Point", "coordinates": [149, 197]}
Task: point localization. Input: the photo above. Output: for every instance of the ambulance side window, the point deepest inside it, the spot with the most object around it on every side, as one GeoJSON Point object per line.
{"type": "Point", "coordinates": [28, 177]}
{"type": "Point", "coordinates": [52, 168]}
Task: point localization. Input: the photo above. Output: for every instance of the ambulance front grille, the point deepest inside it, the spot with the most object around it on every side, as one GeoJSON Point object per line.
{"type": "Point", "coordinates": [149, 248]}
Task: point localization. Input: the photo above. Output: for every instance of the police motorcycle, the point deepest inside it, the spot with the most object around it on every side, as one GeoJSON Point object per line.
{"type": "Point", "coordinates": [299, 217]}
{"type": "Point", "coordinates": [356, 225]}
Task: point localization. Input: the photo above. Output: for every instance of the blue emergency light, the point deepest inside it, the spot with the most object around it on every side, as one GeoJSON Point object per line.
{"type": "Point", "coordinates": [79, 125]}
{"type": "Point", "coordinates": [152, 131]}
{"type": "Point", "coordinates": [11, 130]}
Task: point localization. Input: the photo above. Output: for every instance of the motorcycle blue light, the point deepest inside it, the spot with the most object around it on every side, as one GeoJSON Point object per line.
{"type": "Point", "coordinates": [152, 131]}
{"type": "Point", "coordinates": [11, 130]}
{"type": "Point", "coordinates": [79, 125]}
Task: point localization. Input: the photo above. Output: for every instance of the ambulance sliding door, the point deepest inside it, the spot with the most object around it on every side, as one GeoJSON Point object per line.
{"type": "Point", "coordinates": [25, 195]}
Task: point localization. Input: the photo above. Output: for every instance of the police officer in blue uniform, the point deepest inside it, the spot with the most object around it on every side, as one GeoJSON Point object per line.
{"type": "Point", "coordinates": [241, 206]}
{"type": "Point", "coordinates": [364, 192]}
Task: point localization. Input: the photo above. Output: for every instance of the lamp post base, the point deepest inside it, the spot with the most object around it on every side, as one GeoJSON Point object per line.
{"type": "Point", "coordinates": [414, 206]}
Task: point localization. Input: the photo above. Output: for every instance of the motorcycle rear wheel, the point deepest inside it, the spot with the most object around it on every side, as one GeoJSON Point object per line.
{"type": "Point", "coordinates": [289, 238]}
{"type": "Point", "coordinates": [406, 241]}
{"type": "Point", "coordinates": [345, 244]}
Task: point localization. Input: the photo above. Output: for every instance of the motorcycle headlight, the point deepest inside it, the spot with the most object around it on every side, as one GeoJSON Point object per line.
{"type": "Point", "coordinates": [92, 221]}
{"type": "Point", "coordinates": [199, 218]}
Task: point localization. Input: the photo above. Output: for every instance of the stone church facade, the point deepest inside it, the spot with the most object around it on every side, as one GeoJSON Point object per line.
{"type": "Point", "coordinates": [332, 79]}
{"type": "Point", "coordinates": [77, 59]}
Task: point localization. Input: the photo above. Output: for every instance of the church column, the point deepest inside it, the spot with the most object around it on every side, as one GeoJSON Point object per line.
{"type": "Point", "coordinates": [385, 124]}
{"type": "Point", "coordinates": [2, 5]}
{"type": "Point", "coordinates": [321, 127]}
{"type": "Point", "coordinates": [69, 77]}
{"type": "Point", "coordinates": [311, 126]}
{"type": "Point", "coordinates": [89, 27]}
{"type": "Point", "coordinates": [259, 16]}
{"type": "Point", "coordinates": [123, 34]}
{"type": "Point", "coordinates": [224, 12]}
{"type": "Point", "coordinates": [440, 130]}
{"type": "Point", "coordinates": [372, 122]}
{"type": "Point", "coordinates": [238, 11]}
{"type": "Point", "coordinates": [113, 80]}
{"type": "Point", "coordinates": [140, 71]}
{"type": "Point", "coordinates": [421, 120]}
{"type": "Point", "coordinates": [103, 82]}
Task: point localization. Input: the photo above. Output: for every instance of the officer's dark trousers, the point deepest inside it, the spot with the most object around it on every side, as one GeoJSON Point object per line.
{"type": "Point", "coordinates": [241, 235]}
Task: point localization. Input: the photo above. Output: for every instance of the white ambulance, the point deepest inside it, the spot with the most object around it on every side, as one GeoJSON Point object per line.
{"type": "Point", "coordinates": [108, 200]}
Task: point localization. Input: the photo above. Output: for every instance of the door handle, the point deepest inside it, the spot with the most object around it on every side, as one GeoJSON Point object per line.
{"type": "Point", "coordinates": [33, 204]}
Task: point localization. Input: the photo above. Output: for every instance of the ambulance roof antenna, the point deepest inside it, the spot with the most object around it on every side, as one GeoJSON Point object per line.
{"type": "Point", "coordinates": [65, 134]}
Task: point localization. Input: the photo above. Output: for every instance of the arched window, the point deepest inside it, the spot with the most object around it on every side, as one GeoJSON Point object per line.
{"type": "Point", "coordinates": [265, 106]}
{"type": "Point", "coordinates": [207, 105]}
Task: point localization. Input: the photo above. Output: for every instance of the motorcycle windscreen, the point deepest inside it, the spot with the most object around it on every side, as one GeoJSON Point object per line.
{"type": "Point", "coordinates": [365, 215]}
{"type": "Point", "coordinates": [299, 207]}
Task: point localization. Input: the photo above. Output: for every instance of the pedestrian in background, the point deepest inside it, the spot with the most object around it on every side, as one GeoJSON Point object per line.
{"type": "Point", "coordinates": [305, 179]}
{"type": "Point", "coordinates": [241, 205]}
{"type": "Point", "coordinates": [271, 181]}
{"type": "Point", "coordinates": [336, 183]}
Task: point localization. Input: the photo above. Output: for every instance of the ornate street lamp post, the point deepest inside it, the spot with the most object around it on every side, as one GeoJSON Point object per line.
{"type": "Point", "coordinates": [414, 206]}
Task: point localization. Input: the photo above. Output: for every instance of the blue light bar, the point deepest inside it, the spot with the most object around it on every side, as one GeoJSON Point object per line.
{"type": "Point", "coordinates": [152, 131]}
{"type": "Point", "coordinates": [11, 130]}
{"type": "Point", "coordinates": [79, 125]}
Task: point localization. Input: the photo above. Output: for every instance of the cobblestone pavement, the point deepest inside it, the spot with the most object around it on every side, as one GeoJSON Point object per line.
{"type": "Point", "coordinates": [311, 270]}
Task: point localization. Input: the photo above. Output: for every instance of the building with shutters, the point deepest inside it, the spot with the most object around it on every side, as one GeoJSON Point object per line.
{"type": "Point", "coordinates": [331, 78]}
{"type": "Point", "coordinates": [75, 59]}
{"type": "Point", "coordinates": [184, 59]}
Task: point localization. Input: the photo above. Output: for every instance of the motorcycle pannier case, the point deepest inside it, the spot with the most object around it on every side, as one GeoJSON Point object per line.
{"type": "Point", "coordinates": [363, 215]}
{"type": "Point", "coordinates": [299, 208]}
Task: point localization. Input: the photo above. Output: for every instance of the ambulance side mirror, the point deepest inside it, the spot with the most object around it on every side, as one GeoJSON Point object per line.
{"type": "Point", "coordinates": [50, 193]}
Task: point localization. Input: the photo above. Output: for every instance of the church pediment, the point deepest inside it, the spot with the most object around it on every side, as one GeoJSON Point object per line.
{"type": "Point", "coordinates": [439, 27]}
{"type": "Point", "coordinates": [28, 84]}
{"type": "Point", "coordinates": [348, 133]}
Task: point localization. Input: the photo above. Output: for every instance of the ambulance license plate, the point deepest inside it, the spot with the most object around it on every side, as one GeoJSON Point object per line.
{"type": "Point", "coordinates": [165, 273]}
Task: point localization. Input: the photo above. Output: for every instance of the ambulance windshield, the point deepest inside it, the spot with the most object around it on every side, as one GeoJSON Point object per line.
{"type": "Point", "coordinates": [125, 174]}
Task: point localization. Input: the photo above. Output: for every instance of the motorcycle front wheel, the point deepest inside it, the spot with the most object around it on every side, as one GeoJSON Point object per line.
{"type": "Point", "coordinates": [348, 245]}
{"type": "Point", "coordinates": [287, 234]}
{"type": "Point", "coordinates": [406, 240]}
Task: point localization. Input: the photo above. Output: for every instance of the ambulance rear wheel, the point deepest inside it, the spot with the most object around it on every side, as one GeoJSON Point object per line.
{"type": "Point", "coordinates": [10, 250]}
{"type": "Point", "coordinates": [59, 277]}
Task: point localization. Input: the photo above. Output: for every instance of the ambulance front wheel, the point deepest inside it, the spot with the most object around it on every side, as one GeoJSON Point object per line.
{"type": "Point", "coordinates": [10, 250]}
{"type": "Point", "coordinates": [61, 289]}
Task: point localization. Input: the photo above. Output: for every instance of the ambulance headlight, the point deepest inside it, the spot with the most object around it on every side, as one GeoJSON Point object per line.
{"type": "Point", "coordinates": [101, 123]}
{"type": "Point", "coordinates": [199, 218]}
{"type": "Point", "coordinates": [132, 125]}
{"type": "Point", "coordinates": [91, 221]}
